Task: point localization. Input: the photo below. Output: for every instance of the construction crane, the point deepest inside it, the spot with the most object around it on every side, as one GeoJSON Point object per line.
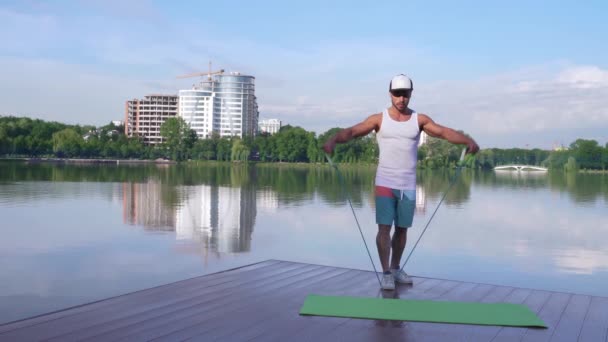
{"type": "Point", "coordinates": [202, 74]}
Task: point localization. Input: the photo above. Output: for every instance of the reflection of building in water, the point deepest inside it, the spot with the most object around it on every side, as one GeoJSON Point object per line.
{"type": "Point", "coordinates": [267, 200]}
{"type": "Point", "coordinates": [514, 174]}
{"type": "Point", "coordinates": [221, 217]}
{"type": "Point", "coordinates": [142, 205]}
{"type": "Point", "coordinates": [420, 199]}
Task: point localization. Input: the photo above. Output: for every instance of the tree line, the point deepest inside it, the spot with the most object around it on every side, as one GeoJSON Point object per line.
{"type": "Point", "coordinates": [26, 137]}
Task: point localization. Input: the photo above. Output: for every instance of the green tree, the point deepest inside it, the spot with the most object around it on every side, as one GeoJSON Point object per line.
{"type": "Point", "coordinates": [292, 144]}
{"type": "Point", "coordinates": [348, 152]}
{"type": "Point", "coordinates": [263, 144]}
{"type": "Point", "coordinates": [571, 166]}
{"type": "Point", "coordinates": [177, 138]}
{"type": "Point", "coordinates": [5, 141]}
{"type": "Point", "coordinates": [313, 152]}
{"type": "Point", "coordinates": [239, 151]}
{"type": "Point", "coordinates": [224, 149]}
{"type": "Point", "coordinates": [204, 149]}
{"type": "Point", "coordinates": [588, 153]}
{"type": "Point", "coordinates": [67, 143]}
{"type": "Point", "coordinates": [605, 157]}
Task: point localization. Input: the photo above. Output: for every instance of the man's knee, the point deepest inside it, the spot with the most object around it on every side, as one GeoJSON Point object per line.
{"type": "Point", "coordinates": [384, 229]}
{"type": "Point", "coordinates": [401, 230]}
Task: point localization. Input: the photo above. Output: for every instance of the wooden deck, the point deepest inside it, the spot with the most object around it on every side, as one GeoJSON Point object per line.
{"type": "Point", "coordinates": [260, 302]}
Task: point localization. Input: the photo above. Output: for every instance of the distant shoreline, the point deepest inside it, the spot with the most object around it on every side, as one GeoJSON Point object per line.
{"type": "Point", "coordinates": [88, 161]}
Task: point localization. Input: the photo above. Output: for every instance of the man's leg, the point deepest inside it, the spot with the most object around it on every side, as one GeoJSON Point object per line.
{"type": "Point", "coordinates": [398, 243]}
{"type": "Point", "coordinates": [405, 217]}
{"type": "Point", "coordinates": [386, 210]}
{"type": "Point", "coordinates": [383, 242]}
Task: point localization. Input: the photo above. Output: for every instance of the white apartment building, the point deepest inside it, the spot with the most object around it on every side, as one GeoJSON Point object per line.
{"type": "Point", "coordinates": [424, 138]}
{"type": "Point", "coordinates": [143, 117]}
{"type": "Point", "coordinates": [224, 103]}
{"type": "Point", "coordinates": [270, 126]}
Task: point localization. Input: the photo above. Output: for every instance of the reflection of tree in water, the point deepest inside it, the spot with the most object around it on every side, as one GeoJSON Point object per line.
{"type": "Point", "coordinates": [298, 184]}
{"type": "Point", "coordinates": [512, 179]}
{"type": "Point", "coordinates": [290, 184]}
{"type": "Point", "coordinates": [582, 188]}
{"type": "Point", "coordinates": [358, 184]}
{"type": "Point", "coordinates": [436, 182]}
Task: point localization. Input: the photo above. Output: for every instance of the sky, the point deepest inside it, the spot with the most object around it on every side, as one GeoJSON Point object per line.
{"type": "Point", "coordinates": [511, 74]}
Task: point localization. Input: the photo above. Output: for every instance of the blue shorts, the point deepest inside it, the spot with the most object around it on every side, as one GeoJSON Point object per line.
{"type": "Point", "coordinates": [395, 206]}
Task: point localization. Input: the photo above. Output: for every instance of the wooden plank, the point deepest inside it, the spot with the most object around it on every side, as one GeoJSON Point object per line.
{"type": "Point", "coordinates": [262, 302]}
{"type": "Point", "coordinates": [571, 322]}
{"type": "Point", "coordinates": [292, 323]}
{"type": "Point", "coordinates": [255, 303]}
{"type": "Point", "coordinates": [550, 314]}
{"type": "Point", "coordinates": [119, 313]}
{"type": "Point", "coordinates": [296, 324]}
{"type": "Point", "coordinates": [595, 327]}
{"type": "Point", "coordinates": [174, 322]}
{"type": "Point", "coordinates": [284, 316]}
{"type": "Point", "coordinates": [535, 302]}
{"type": "Point", "coordinates": [151, 292]}
{"type": "Point", "coordinates": [267, 315]}
{"type": "Point", "coordinates": [138, 320]}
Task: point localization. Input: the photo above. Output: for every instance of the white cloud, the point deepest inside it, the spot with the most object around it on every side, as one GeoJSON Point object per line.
{"type": "Point", "coordinates": [584, 77]}
{"type": "Point", "coordinates": [83, 69]}
{"type": "Point", "coordinates": [582, 261]}
{"type": "Point", "coordinates": [488, 228]}
{"type": "Point", "coordinates": [536, 102]}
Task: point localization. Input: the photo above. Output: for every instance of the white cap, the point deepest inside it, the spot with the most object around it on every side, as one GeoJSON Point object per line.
{"type": "Point", "coordinates": [401, 82]}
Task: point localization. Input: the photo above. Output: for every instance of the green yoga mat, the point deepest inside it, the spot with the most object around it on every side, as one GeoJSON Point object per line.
{"type": "Point", "coordinates": [503, 314]}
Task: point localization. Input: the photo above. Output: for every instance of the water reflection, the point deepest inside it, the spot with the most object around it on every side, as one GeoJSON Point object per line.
{"type": "Point", "coordinates": [221, 218]}
{"type": "Point", "coordinates": [90, 232]}
{"type": "Point", "coordinates": [142, 204]}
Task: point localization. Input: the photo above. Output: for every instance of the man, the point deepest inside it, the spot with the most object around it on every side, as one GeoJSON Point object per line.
{"type": "Point", "coordinates": [398, 132]}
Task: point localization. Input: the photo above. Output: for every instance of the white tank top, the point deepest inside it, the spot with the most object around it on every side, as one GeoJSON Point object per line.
{"type": "Point", "coordinates": [398, 144]}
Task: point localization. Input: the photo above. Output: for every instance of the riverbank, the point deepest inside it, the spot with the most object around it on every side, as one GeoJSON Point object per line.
{"type": "Point", "coordinates": [90, 161]}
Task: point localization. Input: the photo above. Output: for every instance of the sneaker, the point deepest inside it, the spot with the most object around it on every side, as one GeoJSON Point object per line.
{"type": "Point", "coordinates": [401, 277]}
{"type": "Point", "coordinates": [388, 282]}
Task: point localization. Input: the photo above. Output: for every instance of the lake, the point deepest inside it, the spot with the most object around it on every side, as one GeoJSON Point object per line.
{"type": "Point", "coordinates": [73, 234]}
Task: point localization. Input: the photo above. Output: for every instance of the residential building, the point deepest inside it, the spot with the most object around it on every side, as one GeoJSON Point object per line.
{"type": "Point", "coordinates": [143, 117]}
{"type": "Point", "coordinates": [270, 126]}
{"type": "Point", "coordinates": [223, 103]}
{"type": "Point", "coordinates": [423, 138]}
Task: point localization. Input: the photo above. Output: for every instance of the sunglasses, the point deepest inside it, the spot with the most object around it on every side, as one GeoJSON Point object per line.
{"type": "Point", "coordinates": [402, 93]}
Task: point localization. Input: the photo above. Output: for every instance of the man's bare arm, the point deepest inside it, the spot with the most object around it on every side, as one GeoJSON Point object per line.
{"type": "Point", "coordinates": [436, 130]}
{"type": "Point", "coordinates": [361, 129]}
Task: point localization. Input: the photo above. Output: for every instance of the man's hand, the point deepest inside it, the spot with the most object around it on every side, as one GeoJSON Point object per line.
{"type": "Point", "coordinates": [329, 146]}
{"type": "Point", "coordinates": [472, 147]}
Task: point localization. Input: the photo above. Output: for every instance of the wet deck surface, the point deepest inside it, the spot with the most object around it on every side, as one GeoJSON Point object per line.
{"type": "Point", "coordinates": [260, 302]}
